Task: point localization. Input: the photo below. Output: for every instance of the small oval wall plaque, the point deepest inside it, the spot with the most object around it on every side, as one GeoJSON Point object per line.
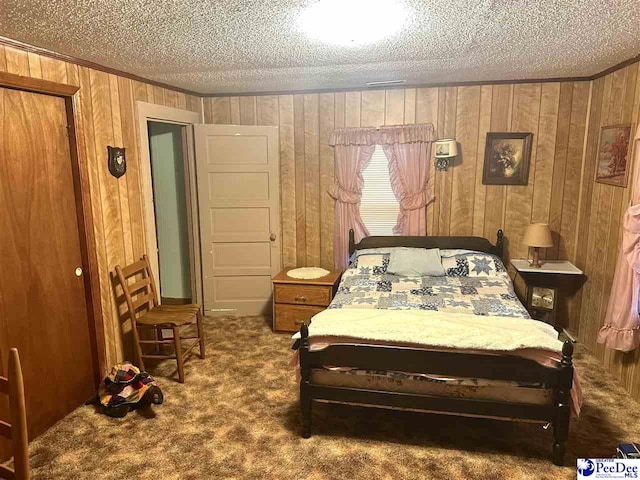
{"type": "Point", "coordinates": [117, 161]}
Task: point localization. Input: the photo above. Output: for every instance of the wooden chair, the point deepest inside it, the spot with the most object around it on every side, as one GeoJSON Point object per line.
{"type": "Point", "coordinates": [16, 431]}
{"type": "Point", "coordinates": [158, 317]}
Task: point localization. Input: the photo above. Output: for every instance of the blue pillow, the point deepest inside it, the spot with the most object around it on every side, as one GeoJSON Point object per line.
{"type": "Point", "coordinates": [415, 262]}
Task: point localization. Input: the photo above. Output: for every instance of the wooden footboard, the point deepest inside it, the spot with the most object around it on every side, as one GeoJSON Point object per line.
{"type": "Point", "coordinates": [470, 365]}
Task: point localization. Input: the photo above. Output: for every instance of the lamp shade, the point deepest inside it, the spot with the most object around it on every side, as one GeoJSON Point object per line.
{"type": "Point", "coordinates": [538, 235]}
{"type": "Point", "coordinates": [446, 147]}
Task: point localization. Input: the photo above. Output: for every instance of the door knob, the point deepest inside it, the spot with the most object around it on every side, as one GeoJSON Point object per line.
{"type": "Point", "coordinates": [272, 237]}
{"type": "Point", "coordinates": [79, 272]}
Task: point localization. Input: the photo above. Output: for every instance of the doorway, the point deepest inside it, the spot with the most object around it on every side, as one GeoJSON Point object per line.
{"type": "Point", "coordinates": [233, 209]}
{"type": "Point", "coordinates": [170, 187]}
{"type": "Point", "coordinates": [170, 201]}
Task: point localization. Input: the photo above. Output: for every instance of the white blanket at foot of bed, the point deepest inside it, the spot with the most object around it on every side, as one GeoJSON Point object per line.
{"type": "Point", "coordinates": [435, 329]}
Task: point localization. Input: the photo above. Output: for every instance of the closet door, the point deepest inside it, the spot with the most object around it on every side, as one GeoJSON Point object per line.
{"type": "Point", "coordinates": [239, 207]}
{"type": "Point", "coordinates": [42, 295]}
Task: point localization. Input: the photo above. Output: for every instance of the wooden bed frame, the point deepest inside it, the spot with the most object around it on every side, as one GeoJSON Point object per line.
{"type": "Point", "coordinates": [471, 365]}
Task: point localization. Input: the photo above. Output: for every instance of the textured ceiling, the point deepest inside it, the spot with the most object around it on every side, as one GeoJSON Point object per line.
{"type": "Point", "coordinates": [218, 46]}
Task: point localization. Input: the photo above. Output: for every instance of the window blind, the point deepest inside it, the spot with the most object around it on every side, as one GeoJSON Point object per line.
{"type": "Point", "coordinates": [379, 207]}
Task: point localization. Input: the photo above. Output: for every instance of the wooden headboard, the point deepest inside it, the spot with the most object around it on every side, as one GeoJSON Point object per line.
{"type": "Point", "coordinates": [468, 243]}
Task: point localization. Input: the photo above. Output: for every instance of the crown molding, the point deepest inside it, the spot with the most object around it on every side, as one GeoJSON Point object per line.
{"type": "Point", "coordinates": [397, 87]}
{"type": "Point", "coordinates": [586, 78]}
{"type": "Point", "coordinates": [8, 42]}
{"type": "Point", "coordinates": [618, 66]}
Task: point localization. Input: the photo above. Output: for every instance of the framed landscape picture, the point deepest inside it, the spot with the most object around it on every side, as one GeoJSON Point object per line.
{"type": "Point", "coordinates": [506, 158]}
{"type": "Point", "coordinates": [613, 153]}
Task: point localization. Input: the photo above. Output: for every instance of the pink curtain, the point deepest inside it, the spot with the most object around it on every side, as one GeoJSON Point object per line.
{"type": "Point", "coordinates": [621, 330]}
{"type": "Point", "coordinates": [353, 149]}
{"type": "Point", "coordinates": [408, 150]}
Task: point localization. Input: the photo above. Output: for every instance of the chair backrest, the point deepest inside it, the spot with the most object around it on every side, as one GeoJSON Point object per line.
{"type": "Point", "coordinates": [16, 431]}
{"type": "Point", "coordinates": [140, 293]}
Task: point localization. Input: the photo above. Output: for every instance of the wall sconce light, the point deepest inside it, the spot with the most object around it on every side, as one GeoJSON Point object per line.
{"type": "Point", "coordinates": [446, 149]}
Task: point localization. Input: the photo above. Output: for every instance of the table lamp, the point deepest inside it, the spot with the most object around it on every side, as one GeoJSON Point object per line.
{"type": "Point", "coordinates": [538, 235]}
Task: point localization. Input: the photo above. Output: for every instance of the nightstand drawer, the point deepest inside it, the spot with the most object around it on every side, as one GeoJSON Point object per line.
{"type": "Point", "coordinates": [303, 294]}
{"type": "Point", "coordinates": [289, 318]}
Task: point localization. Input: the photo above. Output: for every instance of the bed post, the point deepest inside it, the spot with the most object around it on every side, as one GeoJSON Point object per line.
{"type": "Point", "coordinates": [352, 242]}
{"type": "Point", "coordinates": [563, 411]}
{"type": "Point", "coordinates": [500, 243]}
{"type": "Point", "coordinates": [305, 383]}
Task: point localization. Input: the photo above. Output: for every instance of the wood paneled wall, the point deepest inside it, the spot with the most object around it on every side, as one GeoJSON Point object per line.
{"type": "Point", "coordinates": [565, 119]}
{"type": "Point", "coordinates": [615, 100]}
{"type": "Point", "coordinates": [107, 117]}
{"type": "Point", "coordinates": [556, 113]}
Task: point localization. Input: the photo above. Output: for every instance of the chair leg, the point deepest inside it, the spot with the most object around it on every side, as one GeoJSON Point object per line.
{"type": "Point", "coordinates": [159, 337]}
{"type": "Point", "coordinates": [178, 346]}
{"type": "Point", "coordinates": [138, 347]}
{"type": "Point", "coordinates": [200, 334]}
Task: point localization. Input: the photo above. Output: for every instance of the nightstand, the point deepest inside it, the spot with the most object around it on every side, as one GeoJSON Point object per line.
{"type": "Point", "coordinates": [545, 287]}
{"type": "Point", "coordinates": [297, 300]}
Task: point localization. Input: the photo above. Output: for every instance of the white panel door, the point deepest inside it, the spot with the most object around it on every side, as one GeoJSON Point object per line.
{"type": "Point", "coordinates": [239, 208]}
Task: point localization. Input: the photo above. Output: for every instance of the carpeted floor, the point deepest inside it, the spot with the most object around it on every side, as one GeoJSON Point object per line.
{"type": "Point", "coordinates": [237, 417]}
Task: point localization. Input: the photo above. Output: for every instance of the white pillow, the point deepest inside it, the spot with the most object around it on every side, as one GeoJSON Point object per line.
{"type": "Point", "coordinates": [369, 251]}
{"type": "Point", "coordinates": [415, 262]}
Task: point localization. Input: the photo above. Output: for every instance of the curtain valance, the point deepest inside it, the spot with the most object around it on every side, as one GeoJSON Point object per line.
{"type": "Point", "coordinates": [419, 133]}
{"type": "Point", "coordinates": [354, 136]}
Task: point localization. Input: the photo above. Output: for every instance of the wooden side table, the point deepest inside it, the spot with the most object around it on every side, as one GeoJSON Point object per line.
{"type": "Point", "coordinates": [297, 300]}
{"type": "Point", "coordinates": [544, 287]}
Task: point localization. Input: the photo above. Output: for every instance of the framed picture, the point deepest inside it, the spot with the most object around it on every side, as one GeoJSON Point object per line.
{"type": "Point", "coordinates": [506, 158]}
{"type": "Point", "coordinates": [613, 152]}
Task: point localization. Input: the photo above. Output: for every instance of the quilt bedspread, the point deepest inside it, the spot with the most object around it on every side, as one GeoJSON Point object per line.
{"type": "Point", "coordinates": [491, 295]}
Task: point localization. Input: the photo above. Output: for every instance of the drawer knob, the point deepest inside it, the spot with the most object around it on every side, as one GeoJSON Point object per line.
{"type": "Point", "coordinates": [298, 322]}
{"type": "Point", "coordinates": [301, 298]}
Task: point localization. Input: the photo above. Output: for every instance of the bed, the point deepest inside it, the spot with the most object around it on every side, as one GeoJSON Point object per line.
{"type": "Point", "coordinates": [462, 344]}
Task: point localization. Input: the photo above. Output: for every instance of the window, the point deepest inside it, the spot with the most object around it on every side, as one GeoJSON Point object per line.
{"type": "Point", "coordinates": [379, 207]}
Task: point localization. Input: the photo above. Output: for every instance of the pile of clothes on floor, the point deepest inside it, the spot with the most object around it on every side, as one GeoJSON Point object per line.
{"type": "Point", "coordinates": [127, 388]}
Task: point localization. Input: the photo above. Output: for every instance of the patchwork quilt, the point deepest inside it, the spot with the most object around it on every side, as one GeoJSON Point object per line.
{"type": "Point", "coordinates": [474, 283]}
